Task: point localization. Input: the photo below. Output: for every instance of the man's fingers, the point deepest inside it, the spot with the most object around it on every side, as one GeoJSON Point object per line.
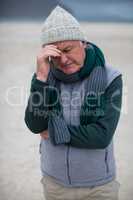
{"type": "Point", "coordinates": [44, 132]}
{"type": "Point", "coordinates": [49, 52]}
{"type": "Point", "coordinates": [44, 135]}
{"type": "Point", "coordinates": [51, 47]}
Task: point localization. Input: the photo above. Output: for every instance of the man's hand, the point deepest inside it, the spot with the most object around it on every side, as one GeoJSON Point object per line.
{"type": "Point", "coordinates": [44, 135]}
{"type": "Point", "coordinates": [43, 65]}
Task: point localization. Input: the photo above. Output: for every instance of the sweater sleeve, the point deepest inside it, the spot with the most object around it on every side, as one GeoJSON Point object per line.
{"type": "Point", "coordinates": [98, 135]}
{"type": "Point", "coordinates": [36, 113]}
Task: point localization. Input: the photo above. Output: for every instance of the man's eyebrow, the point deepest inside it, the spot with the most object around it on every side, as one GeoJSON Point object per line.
{"type": "Point", "coordinates": [67, 47]}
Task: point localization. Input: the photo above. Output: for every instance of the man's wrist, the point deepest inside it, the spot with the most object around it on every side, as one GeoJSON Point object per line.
{"type": "Point", "coordinates": [41, 77]}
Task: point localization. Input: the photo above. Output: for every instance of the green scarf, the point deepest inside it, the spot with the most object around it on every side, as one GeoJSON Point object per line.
{"type": "Point", "coordinates": [94, 68]}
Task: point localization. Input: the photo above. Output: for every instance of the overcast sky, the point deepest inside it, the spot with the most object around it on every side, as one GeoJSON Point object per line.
{"type": "Point", "coordinates": [88, 10]}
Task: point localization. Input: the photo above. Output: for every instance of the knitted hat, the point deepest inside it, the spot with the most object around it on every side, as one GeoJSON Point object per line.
{"type": "Point", "coordinates": [60, 25]}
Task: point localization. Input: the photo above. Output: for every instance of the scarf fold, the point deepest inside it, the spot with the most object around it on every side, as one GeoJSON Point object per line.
{"type": "Point", "coordinates": [94, 70]}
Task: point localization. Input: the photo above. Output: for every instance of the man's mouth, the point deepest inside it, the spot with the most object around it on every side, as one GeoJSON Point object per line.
{"type": "Point", "coordinates": [66, 65]}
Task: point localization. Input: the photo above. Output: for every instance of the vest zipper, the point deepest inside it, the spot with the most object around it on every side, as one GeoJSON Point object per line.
{"type": "Point", "coordinates": [68, 149]}
{"type": "Point", "coordinates": [69, 179]}
{"type": "Point", "coordinates": [106, 160]}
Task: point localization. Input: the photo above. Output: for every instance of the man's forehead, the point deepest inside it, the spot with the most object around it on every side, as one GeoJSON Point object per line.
{"type": "Point", "coordinates": [64, 44]}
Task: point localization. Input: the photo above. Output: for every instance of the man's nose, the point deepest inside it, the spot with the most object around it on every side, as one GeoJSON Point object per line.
{"type": "Point", "coordinates": [63, 58]}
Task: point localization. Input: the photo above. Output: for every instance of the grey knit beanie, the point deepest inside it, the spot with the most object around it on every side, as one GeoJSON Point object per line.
{"type": "Point", "coordinates": [60, 25]}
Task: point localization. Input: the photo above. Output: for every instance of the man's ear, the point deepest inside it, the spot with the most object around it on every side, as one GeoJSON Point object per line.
{"type": "Point", "coordinates": [84, 44]}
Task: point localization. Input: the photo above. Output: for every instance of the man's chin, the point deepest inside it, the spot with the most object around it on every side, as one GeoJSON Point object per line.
{"type": "Point", "coordinates": [70, 69]}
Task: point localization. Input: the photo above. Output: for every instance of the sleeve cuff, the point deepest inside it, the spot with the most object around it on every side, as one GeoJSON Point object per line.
{"type": "Point", "coordinates": [37, 85]}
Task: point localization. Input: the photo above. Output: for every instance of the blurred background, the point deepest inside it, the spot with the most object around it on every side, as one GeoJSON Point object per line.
{"type": "Point", "coordinates": [109, 24]}
{"type": "Point", "coordinates": [85, 10]}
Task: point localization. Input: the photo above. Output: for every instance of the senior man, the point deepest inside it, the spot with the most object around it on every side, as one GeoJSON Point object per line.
{"type": "Point", "coordinates": [74, 105]}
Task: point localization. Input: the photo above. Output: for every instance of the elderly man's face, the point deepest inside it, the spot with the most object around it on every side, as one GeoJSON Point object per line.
{"type": "Point", "coordinates": [72, 56]}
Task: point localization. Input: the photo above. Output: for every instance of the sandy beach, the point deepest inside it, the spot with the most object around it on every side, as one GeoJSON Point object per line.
{"type": "Point", "coordinates": [19, 149]}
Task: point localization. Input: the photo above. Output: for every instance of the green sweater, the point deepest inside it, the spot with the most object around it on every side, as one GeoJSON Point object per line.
{"type": "Point", "coordinates": [96, 135]}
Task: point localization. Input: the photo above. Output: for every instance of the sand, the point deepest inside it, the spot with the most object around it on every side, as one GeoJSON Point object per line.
{"type": "Point", "coordinates": [19, 152]}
